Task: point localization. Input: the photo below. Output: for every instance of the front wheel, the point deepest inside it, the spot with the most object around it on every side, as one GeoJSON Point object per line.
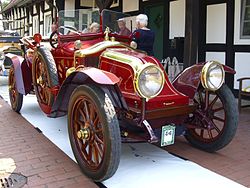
{"type": "Point", "coordinates": [44, 75]}
{"type": "Point", "coordinates": [94, 132]}
{"type": "Point", "coordinates": [213, 125]}
{"type": "Point", "coordinates": [16, 98]}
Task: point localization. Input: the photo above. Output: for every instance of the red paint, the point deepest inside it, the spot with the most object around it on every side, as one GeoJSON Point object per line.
{"type": "Point", "coordinates": [110, 72]}
{"type": "Point", "coordinates": [168, 97]}
{"type": "Point", "coordinates": [99, 76]}
{"type": "Point", "coordinates": [188, 81]}
{"type": "Point", "coordinates": [45, 108]}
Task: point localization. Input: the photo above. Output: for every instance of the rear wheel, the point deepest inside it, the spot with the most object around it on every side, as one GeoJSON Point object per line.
{"type": "Point", "coordinates": [215, 120]}
{"type": "Point", "coordinates": [44, 74]}
{"type": "Point", "coordinates": [94, 132]}
{"type": "Point", "coordinates": [16, 98]}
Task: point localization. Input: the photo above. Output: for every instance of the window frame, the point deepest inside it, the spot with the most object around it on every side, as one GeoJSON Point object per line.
{"type": "Point", "coordinates": [115, 3]}
{"type": "Point", "coordinates": [242, 20]}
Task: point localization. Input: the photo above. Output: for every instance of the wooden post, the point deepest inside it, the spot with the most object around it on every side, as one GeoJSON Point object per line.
{"type": "Point", "coordinates": [103, 4]}
{"type": "Point", "coordinates": [191, 32]}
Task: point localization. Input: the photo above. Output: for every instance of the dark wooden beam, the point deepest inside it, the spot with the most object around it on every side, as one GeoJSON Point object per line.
{"type": "Point", "coordinates": [191, 32]}
{"type": "Point", "coordinates": [60, 4]}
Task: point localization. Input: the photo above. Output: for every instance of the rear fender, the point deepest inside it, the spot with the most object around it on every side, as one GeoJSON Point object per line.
{"type": "Point", "coordinates": [105, 80]}
{"type": "Point", "coordinates": [189, 80]}
{"type": "Point", "coordinates": [22, 73]}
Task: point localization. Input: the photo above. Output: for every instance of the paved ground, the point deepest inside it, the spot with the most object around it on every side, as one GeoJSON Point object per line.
{"type": "Point", "coordinates": [24, 150]}
{"type": "Point", "coordinates": [232, 162]}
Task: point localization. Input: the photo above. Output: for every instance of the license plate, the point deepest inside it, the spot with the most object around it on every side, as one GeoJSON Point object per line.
{"type": "Point", "coordinates": [167, 135]}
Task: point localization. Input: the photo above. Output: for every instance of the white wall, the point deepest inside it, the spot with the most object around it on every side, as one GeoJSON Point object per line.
{"type": "Point", "coordinates": [69, 4]}
{"type": "Point", "coordinates": [177, 19]}
{"type": "Point", "coordinates": [35, 25]}
{"type": "Point", "coordinates": [242, 60]}
{"type": "Point", "coordinates": [216, 23]}
{"type": "Point", "coordinates": [216, 30]}
{"type": "Point", "coordinates": [216, 56]}
{"type": "Point", "coordinates": [88, 3]}
{"type": "Point", "coordinates": [1, 22]}
{"type": "Point", "coordinates": [242, 67]}
{"type": "Point", "coordinates": [130, 5]}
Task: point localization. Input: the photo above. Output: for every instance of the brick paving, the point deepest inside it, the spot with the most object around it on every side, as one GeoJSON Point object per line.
{"type": "Point", "coordinates": [233, 161]}
{"type": "Point", "coordinates": [24, 150]}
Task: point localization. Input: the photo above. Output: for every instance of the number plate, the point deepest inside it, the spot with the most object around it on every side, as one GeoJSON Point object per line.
{"type": "Point", "coordinates": [167, 135]}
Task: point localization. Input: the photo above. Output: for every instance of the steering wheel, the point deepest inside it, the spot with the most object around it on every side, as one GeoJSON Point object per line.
{"type": "Point", "coordinates": [53, 39]}
{"type": "Point", "coordinates": [70, 29]}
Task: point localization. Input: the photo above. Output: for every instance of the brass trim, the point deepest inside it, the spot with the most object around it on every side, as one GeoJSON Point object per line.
{"type": "Point", "coordinates": [70, 71]}
{"type": "Point", "coordinates": [97, 48]}
{"type": "Point", "coordinates": [205, 75]}
{"type": "Point", "coordinates": [134, 62]}
{"type": "Point", "coordinates": [137, 76]}
{"type": "Point", "coordinates": [107, 31]}
{"type": "Point", "coordinates": [137, 66]}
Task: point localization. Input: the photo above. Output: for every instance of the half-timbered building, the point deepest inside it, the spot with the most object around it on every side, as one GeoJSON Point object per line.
{"type": "Point", "coordinates": [191, 30]}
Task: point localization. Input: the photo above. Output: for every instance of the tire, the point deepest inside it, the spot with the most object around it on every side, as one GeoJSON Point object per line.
{"type": "Point", "coordinates": [44, 75]}
{"type": "Point", "coordinates": [213, 132]}
{"type": "Point", "coordinates": [94, 132]}
{"type": "Point", "coordinates": [16, 98]}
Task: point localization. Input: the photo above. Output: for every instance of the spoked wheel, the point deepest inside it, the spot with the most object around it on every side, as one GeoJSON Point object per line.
{"type": "Point", "coordinates": [215, 120]}
{"type": "Point", "coordinates": [94, 132]}
{"type": "Point", "coordinates": [16, 98]}
{"type": "Point", "coordinates": [44, 74]}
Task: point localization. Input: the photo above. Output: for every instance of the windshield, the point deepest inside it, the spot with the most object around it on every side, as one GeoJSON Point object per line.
{"type": "Point", "coordinates": [118, 22]}
{"type": "Point", "coordinates": [71, 21]}
{"type": "Point", "coordinates": [88, 21]}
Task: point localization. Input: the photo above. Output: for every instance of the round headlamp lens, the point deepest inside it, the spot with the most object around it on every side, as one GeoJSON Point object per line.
{"type": "Point", "coordinates": [213, 75]}
{"type": "Point", "coordinates": [150, 81]}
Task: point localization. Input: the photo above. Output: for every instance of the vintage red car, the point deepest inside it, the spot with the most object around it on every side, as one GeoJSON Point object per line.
{"type": "Point", "coordinates": [113, 92]}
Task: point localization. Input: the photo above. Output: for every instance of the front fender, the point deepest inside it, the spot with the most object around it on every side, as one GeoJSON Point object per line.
{"type": "Point", "coordinates": [88, 75]}
{"type": "Point", "coordinates": [22, 73]}
{"type": "Point", "coordinates": [189, 80]}
{"type": "Point", "coordinates": [98, 76]}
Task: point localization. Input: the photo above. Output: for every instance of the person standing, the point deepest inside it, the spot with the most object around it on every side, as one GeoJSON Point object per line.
{"type": "Point", "coordinates": [123, 29]}
{"type": "Point", "coordinates": [143, 36]}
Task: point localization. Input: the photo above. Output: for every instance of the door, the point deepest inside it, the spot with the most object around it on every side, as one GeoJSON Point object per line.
{"type": "Point", "coordinates": [155, 22]}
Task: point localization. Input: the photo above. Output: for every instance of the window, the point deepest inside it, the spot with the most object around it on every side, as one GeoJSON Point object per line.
{"type": "Point", "coordinates": [115, 3]}
{"type": "Point", "coordinates": [47, 25]}
{"type": "Point", "coordinates": [35, 25]}
{"type": "Point", "coordinates": [245, 19]}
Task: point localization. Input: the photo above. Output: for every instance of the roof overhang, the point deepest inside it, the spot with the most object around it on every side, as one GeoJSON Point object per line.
{"type": "Point", "coordinates": [15, 3]}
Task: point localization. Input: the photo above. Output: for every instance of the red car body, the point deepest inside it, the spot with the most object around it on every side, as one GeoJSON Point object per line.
{"type": "Point", "coordinates": [105, 62]}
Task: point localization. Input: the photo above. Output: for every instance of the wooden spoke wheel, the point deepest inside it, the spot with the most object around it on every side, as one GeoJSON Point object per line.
{"type": "Point", "coordinates": [44, 74]}
{"type": "Point", "coordinates": [16, 98]}
{"type": "Point", "coordinates": [94, 132]}
{"type": "Point", "coordinates": [215, 120]}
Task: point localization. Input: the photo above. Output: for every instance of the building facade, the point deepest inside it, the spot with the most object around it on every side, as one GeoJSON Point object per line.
{"type": "Point", "coordinates": [220, 28]}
